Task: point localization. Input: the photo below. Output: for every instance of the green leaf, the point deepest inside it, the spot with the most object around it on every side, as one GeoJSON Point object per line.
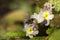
{"type": "Point", "coordinates": [15, 34]}
{"type": "Point", "coordinates": [56, 3]}
{"type": "Point", "coordinates": [55, 35]}
{"type": "Point", "coordinates": [37, 38]}
{"type": "Point", "coordinates": [37, 9]}
{"type": "Point", "coordinates": [50, 30]}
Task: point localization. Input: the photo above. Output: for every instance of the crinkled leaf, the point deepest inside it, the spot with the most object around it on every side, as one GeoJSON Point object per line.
{"type": "Point", "coordinates": [55, 35]}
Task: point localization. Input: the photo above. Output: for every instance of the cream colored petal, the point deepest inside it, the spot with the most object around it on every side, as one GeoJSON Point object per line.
{"type": "Point", "coordinates": [48, 21]}
{"type": "Point", "coordinates": [35, 28]}
{"type": "Point", "coordinates": [27, 34]}
{"type": "Point", "coordinates": [51, 16]}
{"type": "Point", "coordinates": [40, 19]}
{"type": "Point", "coordinates": [25, 27]}
{"type": "Point", "coordinates": [34, 15]}
{"type": "Point", "coordinates": [30, 36]}
{"type": "Point", "coordinates": [35, 33]}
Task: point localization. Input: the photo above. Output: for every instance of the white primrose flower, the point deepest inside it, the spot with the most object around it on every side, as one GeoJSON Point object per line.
{"type": "Point", "coordinates": [37, 17]}
{"type": "Point", "coordinates": [46, 15]}
{"type": "Point", "coordinates": [48, 6]}
{"type": "Point", "coordinates": [46, 12]}
{"type": "Point", "coordinates": [30, 31]}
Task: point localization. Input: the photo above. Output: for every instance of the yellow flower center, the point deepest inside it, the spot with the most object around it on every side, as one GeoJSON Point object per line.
{"type": "Point", "coordinates": [30, 30]}
{"type": "Point", "coordinates": [46, 15]}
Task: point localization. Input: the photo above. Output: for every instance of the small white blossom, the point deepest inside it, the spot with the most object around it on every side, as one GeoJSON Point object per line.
{"type": "Point", "coordinates": [31, 30]}
{"type": "Point", "coordinates": [35, 32]}
{"type": "Point", "coordinates": [47, 16]}
{"type": "Point", "coordinates": [48, 6]}
{"type": "Point", "coordinates": [48, 21]}
{"type": "Point", "coordinates": [46, 12]}
{"type": "Point", "coordinates": [37, 17]}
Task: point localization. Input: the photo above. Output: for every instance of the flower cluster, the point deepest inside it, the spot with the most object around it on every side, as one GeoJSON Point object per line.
{"type": "Point", "coordinates": [45, 13]}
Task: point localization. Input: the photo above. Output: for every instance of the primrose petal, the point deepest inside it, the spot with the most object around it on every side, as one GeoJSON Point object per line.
{"type": "Point", "coordinates": [51, 16]}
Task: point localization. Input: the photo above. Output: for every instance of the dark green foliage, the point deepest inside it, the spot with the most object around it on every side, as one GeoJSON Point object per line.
{"type": "Point", "coordinates": [37, 9]}
{"type": "Point", "coordinates": [49, 31]}
{"type": "Point", "coordinates": [15, 34]}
